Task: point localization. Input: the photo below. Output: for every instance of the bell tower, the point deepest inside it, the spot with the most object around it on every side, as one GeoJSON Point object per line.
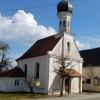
{"type": "Point", "coordinates": [64, 13]}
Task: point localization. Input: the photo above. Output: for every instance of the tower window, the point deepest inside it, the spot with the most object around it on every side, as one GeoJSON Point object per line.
{"type": "Point", "coordinates": [25, 69]}
{"type": "Point", "coordinates": [60, 23]}
{"type": "Point", "coordinates": [64, 23]}
{"type": "Point", "coordinates": [37, 71]}
{"type": "Point", "coordinates": [68, 25]}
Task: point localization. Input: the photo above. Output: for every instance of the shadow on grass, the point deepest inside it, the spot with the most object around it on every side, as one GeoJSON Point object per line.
{"type": "Point", "coordinates": [21, 95]}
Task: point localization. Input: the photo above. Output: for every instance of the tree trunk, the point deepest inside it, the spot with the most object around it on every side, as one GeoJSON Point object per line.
{"type": "Point", "coordinates": [31, 89]}
{"type": "Point", "coordinates": [1, 65]}
{"type": "Point", "coordinates": [68, 85]}
{"type": "Point", "coordinates": [61, 93]}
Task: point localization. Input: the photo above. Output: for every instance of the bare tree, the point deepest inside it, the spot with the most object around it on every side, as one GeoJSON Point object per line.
{"type": "Point", "coordinates": [32, 84]}
{"type": "Point", "coordinates": [61, 65]}
{"type": "Point", "coordinates": [29, 81]}
{"type": "Point", "coordinates": [5, 62]}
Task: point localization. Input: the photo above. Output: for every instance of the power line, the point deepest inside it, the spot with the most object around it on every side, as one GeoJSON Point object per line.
{"type": "Point", "coordinates": [33, 8]}
{"type": "Point", "coordinates": [49, 5]}
{"type": "Point", "coordinates": [87, 34]}
{"type": "Point", "coordinates": [90, 36]}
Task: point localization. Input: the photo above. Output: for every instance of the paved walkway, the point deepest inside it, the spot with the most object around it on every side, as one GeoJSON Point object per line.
{"type": "Point", "coordinates": [92, 96]}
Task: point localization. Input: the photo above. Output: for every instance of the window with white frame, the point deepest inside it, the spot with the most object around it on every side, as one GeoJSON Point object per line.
{"type": "Point", "coordinates": [16, 82]}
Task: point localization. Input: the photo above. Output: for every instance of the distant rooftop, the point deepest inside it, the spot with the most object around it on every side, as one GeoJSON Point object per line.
{"type": "Point", "coordinates": [15, 72]}
{"type": "Point", "coordinates": [91, 57]}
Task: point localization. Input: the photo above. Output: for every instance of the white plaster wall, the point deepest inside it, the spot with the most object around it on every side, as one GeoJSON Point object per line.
{"type": "Point", "coordinates": [73, 54]}
{"type": "Point", "coordinates": [75, 58]}
{"type": "Point", "coordinates": [75, 80]}
{"type": "Point", "coordinates": [44, 68]}
{"type": "Point", "coordinates": [91, 87]}
{"type": "Point", "coordinates": [54, 78]}
{"type": "Point", "coordinates": [64, 16]}
{"type": "Point", "coordinates": [75, 85]}
{"type": "Point", "coordinates": [49, 79]}
{"type": "Point", "coordinates": [8, 84]}
{"type": "Point", "coordinates": [90, 72]}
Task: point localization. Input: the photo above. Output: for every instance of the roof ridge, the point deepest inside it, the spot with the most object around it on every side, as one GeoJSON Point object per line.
{"type": "Point", "coordinates": [47, 37]}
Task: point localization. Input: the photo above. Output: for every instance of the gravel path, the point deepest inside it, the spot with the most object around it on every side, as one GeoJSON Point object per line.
{"type": "Point", "coordinates": [92, 96]}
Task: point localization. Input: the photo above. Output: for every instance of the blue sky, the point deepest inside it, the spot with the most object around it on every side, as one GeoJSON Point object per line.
{"type": "Point", "coordinates": [16, 14]}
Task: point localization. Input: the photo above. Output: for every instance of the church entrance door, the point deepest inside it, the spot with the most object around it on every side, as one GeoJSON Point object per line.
{"type": "Point", "coordinates": [66, 85]}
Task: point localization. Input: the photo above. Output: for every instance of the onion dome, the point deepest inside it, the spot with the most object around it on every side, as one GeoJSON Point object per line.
{"type": "Point", "coordinates": [64, 6]}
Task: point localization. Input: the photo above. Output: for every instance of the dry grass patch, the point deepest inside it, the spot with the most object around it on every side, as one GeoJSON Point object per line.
{"type": "Point", "coordinates": [20, 96]}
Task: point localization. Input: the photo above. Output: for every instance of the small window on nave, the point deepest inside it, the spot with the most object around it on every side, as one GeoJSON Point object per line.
{"type": "Point", "coordinates": [68, 46]}
{"type": "Point", "coordinates": [16, 82]}
{"type": "Point", "coordinates": [25, 69]}
{"type": "Point", "coordinates": [37, 71]}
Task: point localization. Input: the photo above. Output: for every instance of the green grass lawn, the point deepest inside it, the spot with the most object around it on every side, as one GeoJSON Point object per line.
{"type": "Point", "coordinates": [20, 96]}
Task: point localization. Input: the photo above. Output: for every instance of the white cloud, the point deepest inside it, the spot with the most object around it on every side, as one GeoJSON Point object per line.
{"type": "Point", "coordinates": [22, 26]}
{"type": "Point", "coordinates": [82, 46]}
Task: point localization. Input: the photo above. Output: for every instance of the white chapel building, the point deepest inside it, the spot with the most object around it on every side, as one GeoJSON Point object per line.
{"type": "Point", "coordinates": [44, 59]}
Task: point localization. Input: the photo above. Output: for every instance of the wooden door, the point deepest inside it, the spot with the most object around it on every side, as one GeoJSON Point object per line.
{"type": "Point", "coordinates": [66, 85]}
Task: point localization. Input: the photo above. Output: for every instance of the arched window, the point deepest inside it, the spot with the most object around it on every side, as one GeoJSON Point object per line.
{"type": "Point", "coordinates": [96, 81]}
{"type": "Point", "coordinates": [25, 69]}
{"type": "Point", "coordinates": [60, 23]}
{"type": "Point", "coordinates": [68, 25]}
{"type": "Point", "coordinates": [37, 71]}
{"type": "Point", "coordinates": [64, 23]}
{"type": "Point", "coordinates": [68, 46]}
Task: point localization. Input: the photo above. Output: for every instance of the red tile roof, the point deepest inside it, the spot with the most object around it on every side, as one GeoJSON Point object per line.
{"type": "Point", "coordinates": [15, 72]}
{"type": "Point", "coordinates": [71, 73]}
{"type": "Point", "coordinates": [41, 47]}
